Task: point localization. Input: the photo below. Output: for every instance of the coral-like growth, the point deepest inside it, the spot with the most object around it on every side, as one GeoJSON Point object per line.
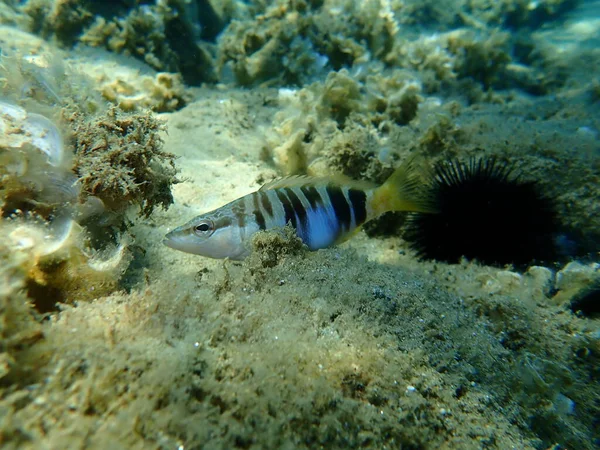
{"type": "Point", "coordinates": [355, 152]}
{"type": "Point", "coordinates": [294, 42]}
{"type": "Point", "coordinates": [65, 19]}
{"type": "Point", "coordinates": [458, 55]}
{"type": "Point", "coordinates": [119, 159]}
{"type": "Point", "coordinates": [290, 42]}
{"type": "Point", "coordinates": [140, 33]}
{"type": "Point", "coordinates": [480, 59]}
{"type": "Point", "coordinates": [163, 93]}
{"type": "Point", "coordinates": [162, 35]}
{"type": "Point", "coordinates": [58, 208]}
{"type": "Point", "coordinates": [303, 131]}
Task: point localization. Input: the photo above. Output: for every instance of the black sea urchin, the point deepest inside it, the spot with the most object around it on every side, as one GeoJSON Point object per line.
{"type": "Point", "coordinates": [486, 212]}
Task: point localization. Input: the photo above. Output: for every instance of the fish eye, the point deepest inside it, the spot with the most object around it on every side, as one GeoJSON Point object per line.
{"type": "Point", "coordinates": [202, 228]}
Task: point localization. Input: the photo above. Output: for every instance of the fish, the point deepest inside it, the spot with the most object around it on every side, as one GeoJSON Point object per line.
{"type": "Point", "coordinates": [324, 211]}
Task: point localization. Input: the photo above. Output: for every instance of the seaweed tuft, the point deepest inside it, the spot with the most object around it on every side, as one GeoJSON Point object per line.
{"type": "Point", "coordinates": [119, 159]}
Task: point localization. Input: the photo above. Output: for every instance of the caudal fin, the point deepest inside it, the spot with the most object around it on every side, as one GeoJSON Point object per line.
{"type": "Point", "coordinates": [408, 189]}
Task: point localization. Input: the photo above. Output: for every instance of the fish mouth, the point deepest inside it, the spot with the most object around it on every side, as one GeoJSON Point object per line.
{"type": "Point", "coordinates": [168, 242]}
{"type": "Point", "coordinates": [171, 241]}
{"type": "Point", "coordinates": [176, 241]}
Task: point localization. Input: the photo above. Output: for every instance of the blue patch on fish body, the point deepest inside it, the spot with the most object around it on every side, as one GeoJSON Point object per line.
{"type": "Point", "coordinates": [323, 228]}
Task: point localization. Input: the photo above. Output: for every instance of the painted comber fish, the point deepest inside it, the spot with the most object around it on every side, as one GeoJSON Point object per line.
{"type": "Point", "coordinates": [324, 211]}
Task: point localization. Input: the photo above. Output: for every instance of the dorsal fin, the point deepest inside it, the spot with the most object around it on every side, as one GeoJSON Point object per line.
{"type": "Point", "coordinates": [306, 180]}
{"type": "Point", "coordinates": [291, 181]}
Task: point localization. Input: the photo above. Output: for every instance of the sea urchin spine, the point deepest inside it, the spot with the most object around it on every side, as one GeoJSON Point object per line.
{"type": "Point", "coordinates": [486, 212]}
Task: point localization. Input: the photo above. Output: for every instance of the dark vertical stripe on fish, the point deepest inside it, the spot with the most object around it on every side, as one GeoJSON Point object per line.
{"type": "Point", "coordinates": [340, 206]}
{"type": "Point", "coordinates": [312, 195]}
{"type": "Point", "coordinates": [266, 203]}
{"type": "Point", "coordinates": [258, 215]}
{"type": "Point", "coordinates": [287, 207]}
{"type": "Point", "coordinates": [298, 208]}
{"type": "Point", "coordinates": [358, 201]}
{"type": "Point", "coordinates": [239, 213]}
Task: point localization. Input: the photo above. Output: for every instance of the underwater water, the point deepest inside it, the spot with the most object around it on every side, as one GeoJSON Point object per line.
{"type": "Point", "coordinates": [466, 316]}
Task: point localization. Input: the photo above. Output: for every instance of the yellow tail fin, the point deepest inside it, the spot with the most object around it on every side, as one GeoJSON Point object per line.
{"type": "Point", "coordinates": [406, 190]}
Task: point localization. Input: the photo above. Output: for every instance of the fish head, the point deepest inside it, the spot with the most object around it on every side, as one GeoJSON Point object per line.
{"type": "Point", "coordinates": [209, 235]}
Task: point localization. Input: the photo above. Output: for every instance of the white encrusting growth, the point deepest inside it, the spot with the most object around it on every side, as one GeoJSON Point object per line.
{"type": "Point", "coordinates": [35, 130]}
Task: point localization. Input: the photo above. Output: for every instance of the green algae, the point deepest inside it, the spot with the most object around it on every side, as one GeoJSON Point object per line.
{"type": "Point", "coordinates": [308, 349]}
